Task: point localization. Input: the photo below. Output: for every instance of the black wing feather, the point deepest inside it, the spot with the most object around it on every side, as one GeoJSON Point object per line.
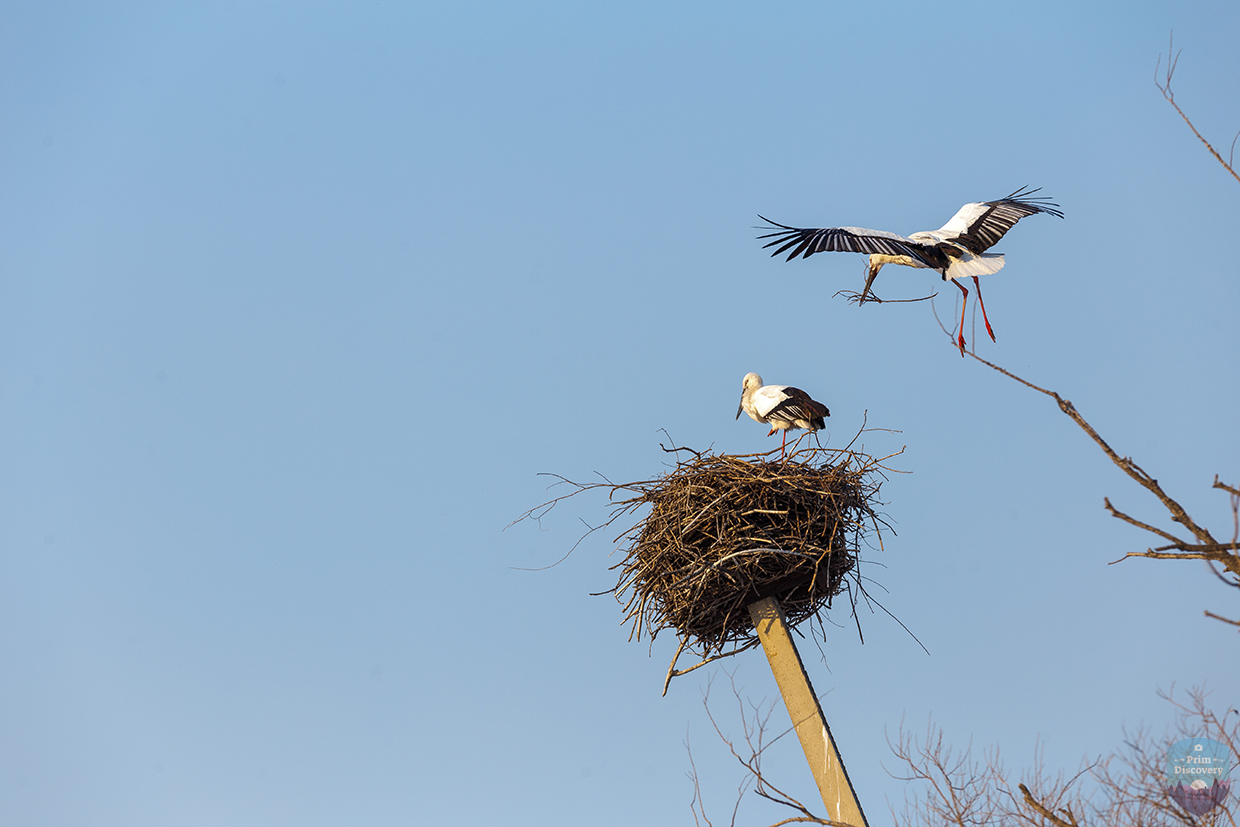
{"type": "Point", "coordinates": [800, 406]}
{"type": "Point", "coordinates": [1001, 216]}
{"type": "Point", "coordinates": [806, 242]}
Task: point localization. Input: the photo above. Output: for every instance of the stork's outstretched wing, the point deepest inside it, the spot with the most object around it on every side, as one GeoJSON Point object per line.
{"type": "Point", "coordinates": [978, 227]}
{"type": "Point", "coordinates": [838, 240]}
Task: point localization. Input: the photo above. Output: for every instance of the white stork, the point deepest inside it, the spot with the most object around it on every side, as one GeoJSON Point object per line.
{"type": "Point", "coordinates": [781, 407]}
{"type": "Point", "coordinates": [957, 249]}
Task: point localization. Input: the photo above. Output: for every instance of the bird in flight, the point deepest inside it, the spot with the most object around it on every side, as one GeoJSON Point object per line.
{"type": "Point", "coordinates": [955, 250]}
{"type": "Point", "coordinates": [782, 407]}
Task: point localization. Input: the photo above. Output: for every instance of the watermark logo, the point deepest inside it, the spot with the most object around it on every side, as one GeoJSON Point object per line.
{"type": "Point", "coordinates": [1197, 774]}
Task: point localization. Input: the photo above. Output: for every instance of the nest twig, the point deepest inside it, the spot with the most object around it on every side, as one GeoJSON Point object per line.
{"type": "Point", "coordinates": [723, 531]}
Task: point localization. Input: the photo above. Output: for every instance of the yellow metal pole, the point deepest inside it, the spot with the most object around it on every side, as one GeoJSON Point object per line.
{"type": "Point", "coordinates": [811, 726]}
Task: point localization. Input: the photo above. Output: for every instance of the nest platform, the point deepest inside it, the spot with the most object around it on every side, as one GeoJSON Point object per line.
{"type": "Point", "coordinates": [724, 531]}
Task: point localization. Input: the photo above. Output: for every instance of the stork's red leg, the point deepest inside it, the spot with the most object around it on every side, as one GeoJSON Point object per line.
{"type": "Point", "coordinates": [978, 285]}
{"type": "Point", "coordinates": [964, 304]}
{"type": "Point", "coordinates": [784, 446]}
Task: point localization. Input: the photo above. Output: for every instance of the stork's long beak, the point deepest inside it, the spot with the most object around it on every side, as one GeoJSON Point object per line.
{"type": "Point", "coordinates": [740, 408]}
{"type": "Point", "coordinates": [874, 268]}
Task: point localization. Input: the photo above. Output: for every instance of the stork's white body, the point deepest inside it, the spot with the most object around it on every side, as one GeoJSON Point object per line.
{"type": "Point", "coordinates": [962, 261]}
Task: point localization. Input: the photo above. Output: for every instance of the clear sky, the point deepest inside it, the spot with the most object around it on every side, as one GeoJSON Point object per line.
{"type": "Point", "coordinates": [296, 301]}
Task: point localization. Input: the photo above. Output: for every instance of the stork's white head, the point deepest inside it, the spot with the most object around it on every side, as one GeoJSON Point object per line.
{"type": "Point", "coordinates": [749, 384]}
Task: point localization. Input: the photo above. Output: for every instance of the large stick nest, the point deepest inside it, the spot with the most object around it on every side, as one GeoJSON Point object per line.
{"type": "Point", "coordinates": [724, 531]}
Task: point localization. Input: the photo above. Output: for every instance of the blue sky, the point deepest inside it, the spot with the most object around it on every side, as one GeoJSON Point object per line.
{"type": "Point", "coordinates": [296, 302]}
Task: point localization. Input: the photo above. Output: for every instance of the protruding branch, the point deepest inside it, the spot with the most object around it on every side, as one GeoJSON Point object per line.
{"type": "Point", "coordinates": [1173, 59]}
{"type": "Point", "coordinates": [1046, 812]}
{"type": "Point", "coordinates": [1206, 546]}
{"type": "Point", "coordinates": [755, 721]}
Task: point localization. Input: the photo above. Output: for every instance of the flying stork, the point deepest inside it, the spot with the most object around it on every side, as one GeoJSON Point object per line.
{"type": "Point", "coordinates": [782, 407]}
{"type": "Point", "coordinates": [957, 249]}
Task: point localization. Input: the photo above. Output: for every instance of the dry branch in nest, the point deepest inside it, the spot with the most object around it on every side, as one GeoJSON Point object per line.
{"type": "Point", "coordinates": [723, 531]}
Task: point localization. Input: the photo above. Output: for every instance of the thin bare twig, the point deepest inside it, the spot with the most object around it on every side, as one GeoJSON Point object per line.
{"type": "Point", "coordinates": [1207, 548]}
{"type": "Point", "coordinates": [858, 299]}
{"type": "Point", "coordinates": [1127, 788]}
{"type": "Point", "coordinates": [754, 722]}
{"type": "Point", "coordinates": [1224, 619]}
{"type": "Point", "coordinates": [673, 672]}
{"type": "Point", "coordinates": [1173, 59]}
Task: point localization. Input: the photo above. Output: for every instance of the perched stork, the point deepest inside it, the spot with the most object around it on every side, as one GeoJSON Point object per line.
{"type": "Point", "coordinates": [781, 407]}
{"type": "Point", "coordinates": [957, 249]}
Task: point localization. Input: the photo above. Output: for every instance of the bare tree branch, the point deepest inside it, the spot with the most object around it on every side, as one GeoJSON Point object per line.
{"type": "Point", "coordinates": [1173, 58]}
{"type": "Point", "coordinates": [957, 788]}
{"type": "Point", "coordinates": [1046, 812]}
{"type": "Point", "coordinates": [1176, 541]}
{"type": "Point", "coordinates": [1126, 789]}
{"type": "Point", "coordinates": [1206, 548]}
{"type": "Point", "coordinates": [754, 721]}
{"type": "Point", "coordinates": [1224, 619]}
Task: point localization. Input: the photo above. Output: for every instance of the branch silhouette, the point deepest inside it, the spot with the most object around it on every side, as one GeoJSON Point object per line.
{"type": "Point", "coordinates": [1205, 547]}
{"type": "Point", "coordinates": [1173, 59]}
